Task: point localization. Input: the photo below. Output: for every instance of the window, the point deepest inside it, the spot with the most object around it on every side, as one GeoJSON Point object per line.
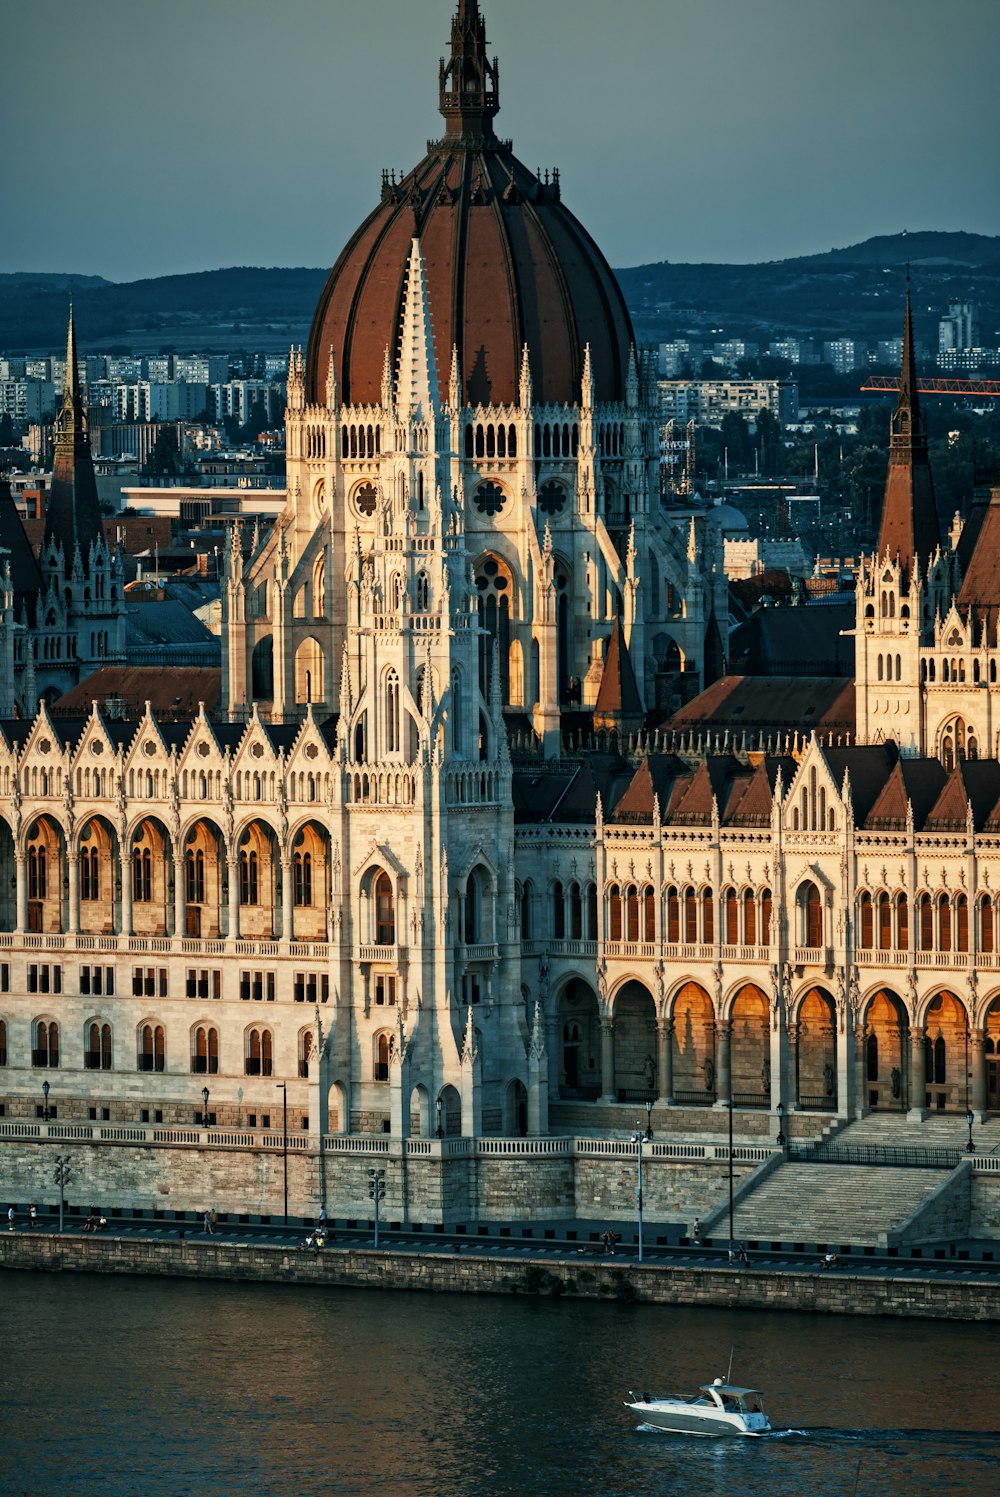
{"type": "Point", "coordinates": [90, 873]}
{"type": "Point", "coordinates": [97, 981]}
{"type": "Point", "coordinates": [749, 919]}
{"type": "Point", "coordinates": [147, 982]}
{"type": "Point", "coordinates": [385, 990]}
{"type": "Point", "coordinates": [152, 1048]}
{"type": "Point", "coordinates": [142, 876]}
{"type": "Point", "coordinates": [97, 1054]}
{"type": "Point", "coordinates": [311, 985]}
{"type": "Point", "coordinates": [385, 1045]}
{"type": "Point", "coordinates": [194, 876]}
{"type": "Point", "coordinates": [4, 977]}
{"type": "Point", "coordinates": [302, 878]}
{"type": "Point", "coordinates": [765, 918]}
{"type": "Point", "coordinates": [3, 1042]}
{"type": "Point", "coordinates": [812, 909]}
{"type": "Point", "coordinates": [986, 934]}
{"type": "Point", "coordinates": [258, 1059]}
{"type": "Point", "coordinates": [203, 982]}
{"type": "Point", "coordinates": [249, 881]}
{"type": "Point", "coordinates": [866, 932]}
{"type": "Point", "coordinates": [205, 1050]}
{"type": "Point", "coordinates": [37, 872]}
{"type": "Point", "coordinates": [673, 916]}
{"type": "Point", "coordinates": [257, 986]}
{"type": "Point", "coordinates": [306, 1047]}
{"type": "Point", "coordinates": [926, 923]}
{"type": "Point", "coordinates": [615, 903]}
{"type": "Point", "coordinates": [44, 979]}
{"type": "Point", "coordinates": [385, 916]}
{"type": "Point", "coordinates": [884, 922]}
{"type": "Point", "coordinates": [45, 1050]}
{"type": "Point", "coordinates": [558, 912]}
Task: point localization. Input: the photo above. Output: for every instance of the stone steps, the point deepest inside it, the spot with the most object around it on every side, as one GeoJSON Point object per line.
{"type": "Point", "coordinates": [948, 1131]}
{"type": "Point", "coordinates": [835, 1203]}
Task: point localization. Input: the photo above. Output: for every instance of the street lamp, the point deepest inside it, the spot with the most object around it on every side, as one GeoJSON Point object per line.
{"type": "Point", "coordinates": [204, 1115]}
{"type": "Point", "coordinates": [439, 1132]}
{"type": "Point", "coordinates": [280, 1086]}
{"type": "Point", "coordinates": [61, 1177]}
{"type": "Point", "coordinates": [45, 1108]}
{"type": "Point", "coordinates": [732, 1235]}
{"type": "Point", "coordinates": [649, 1122]}
{"type": "Point", "coordinates": [376, 1193]}
{"type": "Point", "coordinates": [970, 1118]}
{"type": "Point", "coordinates": [780, 1110]}
{"type": "Point", "coordinates": [639, 1138]}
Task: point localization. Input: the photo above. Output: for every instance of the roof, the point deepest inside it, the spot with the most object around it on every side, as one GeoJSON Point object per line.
{"type": "Point", "coordinates": [168, 623]}
{"type": "Point", "coordinates": [618, 695]}
{"type": "Point", "coordinates": [980, 590]}
{"type": "Point", "coordinates": [506, 263]}
{"type": "Point", "coordinates": [24, 571]}
{"type": "Point", "coordinates": [172, 691]}
{"type": "Point", "coordinates": [909, 529]}
{"type": "Point", "coordinates": [793, 702]}
{"type": "Point", "coordinates": [796, 641]}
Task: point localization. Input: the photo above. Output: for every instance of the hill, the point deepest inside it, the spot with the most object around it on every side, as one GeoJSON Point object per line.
{"type": "Point", "coordinates": [856, 289]}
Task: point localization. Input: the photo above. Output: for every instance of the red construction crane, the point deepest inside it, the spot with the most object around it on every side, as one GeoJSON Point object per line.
{"type": "Point", "coordinates": [888, 384]}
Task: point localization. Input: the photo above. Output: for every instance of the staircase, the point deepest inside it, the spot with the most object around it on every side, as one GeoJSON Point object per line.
{"type": "Point", "coordinates": [834, 1204]}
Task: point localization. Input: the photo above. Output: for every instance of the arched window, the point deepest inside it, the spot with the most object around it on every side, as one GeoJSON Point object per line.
{"type": "Point", "coordinates": [194, 874]}
{"type": "Point", "coordinates": [812, 909]}
{"type": "Point", "coordinates": [707, 916]}
{"type": "Point", "coordinates": [575, 913]}
{"type": "Point", "coordinates": [258, 1060]}
{"type": "Point", "coordinates": [673, 916]}
{"type": "Point", "coordinates": [872, 1054]}
{"type": "Point", "coordinates": [249, 876]}
{"type": "Point", "coordinates": [152, 1048]}
{"type": "Point", "coordinates": [926, 923]}
{"type": "Point", "coordinates": [142, 876]}
{"type": "Point", "coordinates": [526, 913]}
{"type": "Point", "coordinates": [903, 918]}
{"type": "Point", "coordinates": [884, 922]}
{"type": "Point", "coordinates": [385, 913]}
{"type": "Point", "coordinates": [97, 1054]}
{"type": "Point", "coordinates": [558, 912]}
{"type": "Point", "coordinates": [961, 923]}
{"type": "Point", "coordinates": [631, 913]}
{"type": "Point", "coordinates": [423, 592]}
{"type": "Point", "coordinates": [45, 1049]}
{"type": "Point", "coordinates": [37, 869]}
{"type": "Point", "coordinates": [391, 712]}
{"type": "Point", "coordinates": [615, 911]}
{"type": "Point", "coordinates": [765, 918]}
{"type": "Point", "coordinates": [940, 1061]}
{"type": "Point", "coordinates": [865, 939]}
{"type": "Point", "coordinates": [90, 873]}
{"type": "Point", "coordinates": [690, 917]}
{"type": "Point", "coordinates": [986, 925]}
{"type": "Point", "coordinates": [648, 914]}
{"type": "Point", "coordinates": [385, 1045]}
{"type": "Point", "coordinates": [302, 878]}
{"type": "Point", "coordinates": [749, 919]}
{"type": "Point", "coordinates": [205, 1050]}
{"type": "Point", "coordinates": [732, 910]}
{"type": "Point", "coordinates": [944, 914]}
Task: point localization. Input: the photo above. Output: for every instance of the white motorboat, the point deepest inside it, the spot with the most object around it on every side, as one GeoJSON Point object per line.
{"type": "Point", "coordinates": [718, 1408]}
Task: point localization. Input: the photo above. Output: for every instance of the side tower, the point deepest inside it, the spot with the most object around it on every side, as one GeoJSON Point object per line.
{"type": "Point", "coordinates": [80, 616]}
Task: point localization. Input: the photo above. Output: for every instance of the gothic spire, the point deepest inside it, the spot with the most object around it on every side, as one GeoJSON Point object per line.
{"type": "Point", "coordinates": [468, 80]}
{"type": "Point", "coordinates": [416, 383]}
{"type": "Point", "coordinates": [909, 526]}
{"type": "Point", "coordinates": [73, 516]}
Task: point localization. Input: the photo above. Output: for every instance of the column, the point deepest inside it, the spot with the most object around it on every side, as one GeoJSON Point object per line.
{"type": "Point", "coordinates": [233, 872]}
{"type": "Point", "coordinates": [918, 1080]}
{"type": "Point", "coordinates": [724, 1051]}
{"type": "Point", "coordinates": [178, 865]}
{"type": "Point", "coordinates": [21, 923]}
{"type": "Point", "coordinates": [73, 908]}
{"type": "Point", "coordinates": [608, 1093]}
{"type": "Point", "coordinates": [860, 1036]}
{"type": "Point", "coordinates": [977, 1065]}
{"type": "Point", "coordinates": [125, 870]}
{"type": "Point", "coordinates": [287, 918]}
{"type": "Point", "coordinates": [793, 1067]}
{"type": "Point", "coordinates": [665, 1061]}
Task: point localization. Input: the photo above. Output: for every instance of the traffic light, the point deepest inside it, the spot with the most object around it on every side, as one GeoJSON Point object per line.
{"type": "Point", "coordinates": [376, 1185]}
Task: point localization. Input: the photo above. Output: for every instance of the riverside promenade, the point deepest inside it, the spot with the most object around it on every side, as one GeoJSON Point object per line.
{"type": "Point", "coordinates": [955, 1282]}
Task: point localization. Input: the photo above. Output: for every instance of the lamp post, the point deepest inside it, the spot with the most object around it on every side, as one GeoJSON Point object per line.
{"type": "Point", "coordinates": [439, 1131]}
{"type": "Point", "coordinates": [970, 1118]}
{"type": "Point", "coordinates": [204, 1113]}
{"type": "Point", "coordinates": [639, 1138]}
{"type": "Point", "coordinates": [649, 1122]}
{"type": "Point", "coordinates": [780, 1110]}
{"type": "Point", "coordinates": [61, 1177]}
{"type": "Point", "coordinates": [45, 1105]}
{"type": "Point", "coordinates": [732, 1235]}
{"type": "Point", "coordinates": [280, 1086]}
{"type": "Point", "coordinates": [376, 1193]}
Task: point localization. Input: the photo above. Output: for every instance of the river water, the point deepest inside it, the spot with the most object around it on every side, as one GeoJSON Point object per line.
{"type": "Point", "coordinates": [143, 1386]}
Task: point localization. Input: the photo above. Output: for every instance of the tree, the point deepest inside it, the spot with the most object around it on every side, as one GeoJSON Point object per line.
{"type": "Point", "coordinates": [165, 457]}
{"type": "Point", "coordinates": [768, 439]}
{"type": "Point", "coordinates": [8, 436]}
{"type": "Point", "coordinates": [736, 438]}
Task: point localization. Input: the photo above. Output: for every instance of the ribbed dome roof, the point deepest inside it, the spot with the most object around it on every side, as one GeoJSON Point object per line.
{"type": "Point", "coordinates": [506, 264]}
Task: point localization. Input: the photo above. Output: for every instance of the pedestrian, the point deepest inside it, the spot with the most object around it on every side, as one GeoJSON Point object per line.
{"type": "Point", "coordinates": [322, 1219]}
{"type": "Point", "coordinates": [206, 1224]}
{"type": "Point", "coordinates": [212, 1219]}
{"type": "Point", "coordinates": [696, 1231]}
{"type": "Point", "coordinates": [10, 1219]}
{"type": "Point", "coordinates": [33, 1216]}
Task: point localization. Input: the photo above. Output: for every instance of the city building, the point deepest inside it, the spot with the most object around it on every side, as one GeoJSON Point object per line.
{"type": "Point", "coordinates": [846, 354]}
{"type": "Point", "coordinates": [959, 329]}
{"type": "Point", "coordinates": [436, 868]}
{"type": "Point", "coordinates": [707, 401]}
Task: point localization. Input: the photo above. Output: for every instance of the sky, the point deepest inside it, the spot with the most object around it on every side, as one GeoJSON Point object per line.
{"type": "Point", "coordinates": [150, 139]}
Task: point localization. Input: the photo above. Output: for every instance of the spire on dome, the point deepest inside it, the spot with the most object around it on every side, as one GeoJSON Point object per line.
{"type": "Point", "coordinates": [468, 80]}
{"type": "Point", "coordinates": [73, 516]}
{"type": "Point", "coordinates": [909, 526]}
{"type": "Point", "coordinates": [416, 382]}
{"type": "Point", "coordinates": [619, 704]}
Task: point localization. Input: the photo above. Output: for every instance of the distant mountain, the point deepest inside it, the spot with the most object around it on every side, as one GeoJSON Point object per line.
{"type": "Point", "coordinates": [858, 289]}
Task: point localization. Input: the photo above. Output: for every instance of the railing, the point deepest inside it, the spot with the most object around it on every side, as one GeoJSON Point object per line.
{"type": "Point", "coordinates": [813, 956]}
{"type": "Point", "coordinates": [643, 950]}
{"type": "Point", "coordinates": [751, 1099]}
{"type": "Point", "coordinates": [817, 1104]}
{"type": "Point", "coordinates": [694, 1099]}
{"type": "Point", "coordinates": [897, 1156]}
{"type": "Point", "coordinates": [641, 1094]}
{"type": "Point", "coordinates": [876, 957]}
{"type": "Point", "coordinates": [487, 951]}
{"type": "Point", "coordinates": [387, 955]}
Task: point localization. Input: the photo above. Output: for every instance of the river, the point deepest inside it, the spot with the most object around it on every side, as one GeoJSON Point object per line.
{"type": "Point", "coordinates": [132, 1386]}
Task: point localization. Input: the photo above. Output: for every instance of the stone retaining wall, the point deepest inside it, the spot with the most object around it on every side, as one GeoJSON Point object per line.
{"type": "Point", "coordinates": [468, 1272]}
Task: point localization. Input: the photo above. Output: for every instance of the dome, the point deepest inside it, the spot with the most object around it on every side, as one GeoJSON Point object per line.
{"type": "Point", "coordinates": [730, 520]}
{"type": "Point", "coordinates": [506, 264]}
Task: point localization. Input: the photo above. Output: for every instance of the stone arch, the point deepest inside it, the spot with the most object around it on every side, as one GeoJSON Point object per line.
{"type": "Point", "coordinates": [309, 850]}
{"type": "Point", "coordinates": [310, 671]}
{"type": "Point", "coordinates": [338, 1111]}
{"type": "Point", "coordinates": [420, 1112]}
{"type": "Point", "coordinates": [95, 850]}
{"type": "Point", "coordinates": [8, 887]}
{"type": "Point", "coordinates": [946, 1051]}
{"type": "Point", "coordinates": [257, 878]}
{"type": "Point", "coordinates": [885, 1037]}
{"type": "Point", "coordinates": [693, 1045]}
{"type": "Point", "coordinates": [991, 1053]}
{"type": "Point", "coordinates": [750, 1047]}
{"type": "Point", "coordinates": [579, 1041]}
{"type": "Point", "coordinates": [451, 1112]}
{"type": "Point", "coordinates": [45, 870]}
{"type": "Point", "coordinates": [205, 878]}
{"type": "Point", "coordinates": [633, 1010]}
{"type": "Point", "coordinates": [498, 604]}
{"type": "Point", "coordinates": [262, 669]}
{"type": "Point", "coordinates": [515, 1109]}
{"type": "Point", "coordinates": [815, 1033]}
{"type": "Point", "coordinates": [151, 872]}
